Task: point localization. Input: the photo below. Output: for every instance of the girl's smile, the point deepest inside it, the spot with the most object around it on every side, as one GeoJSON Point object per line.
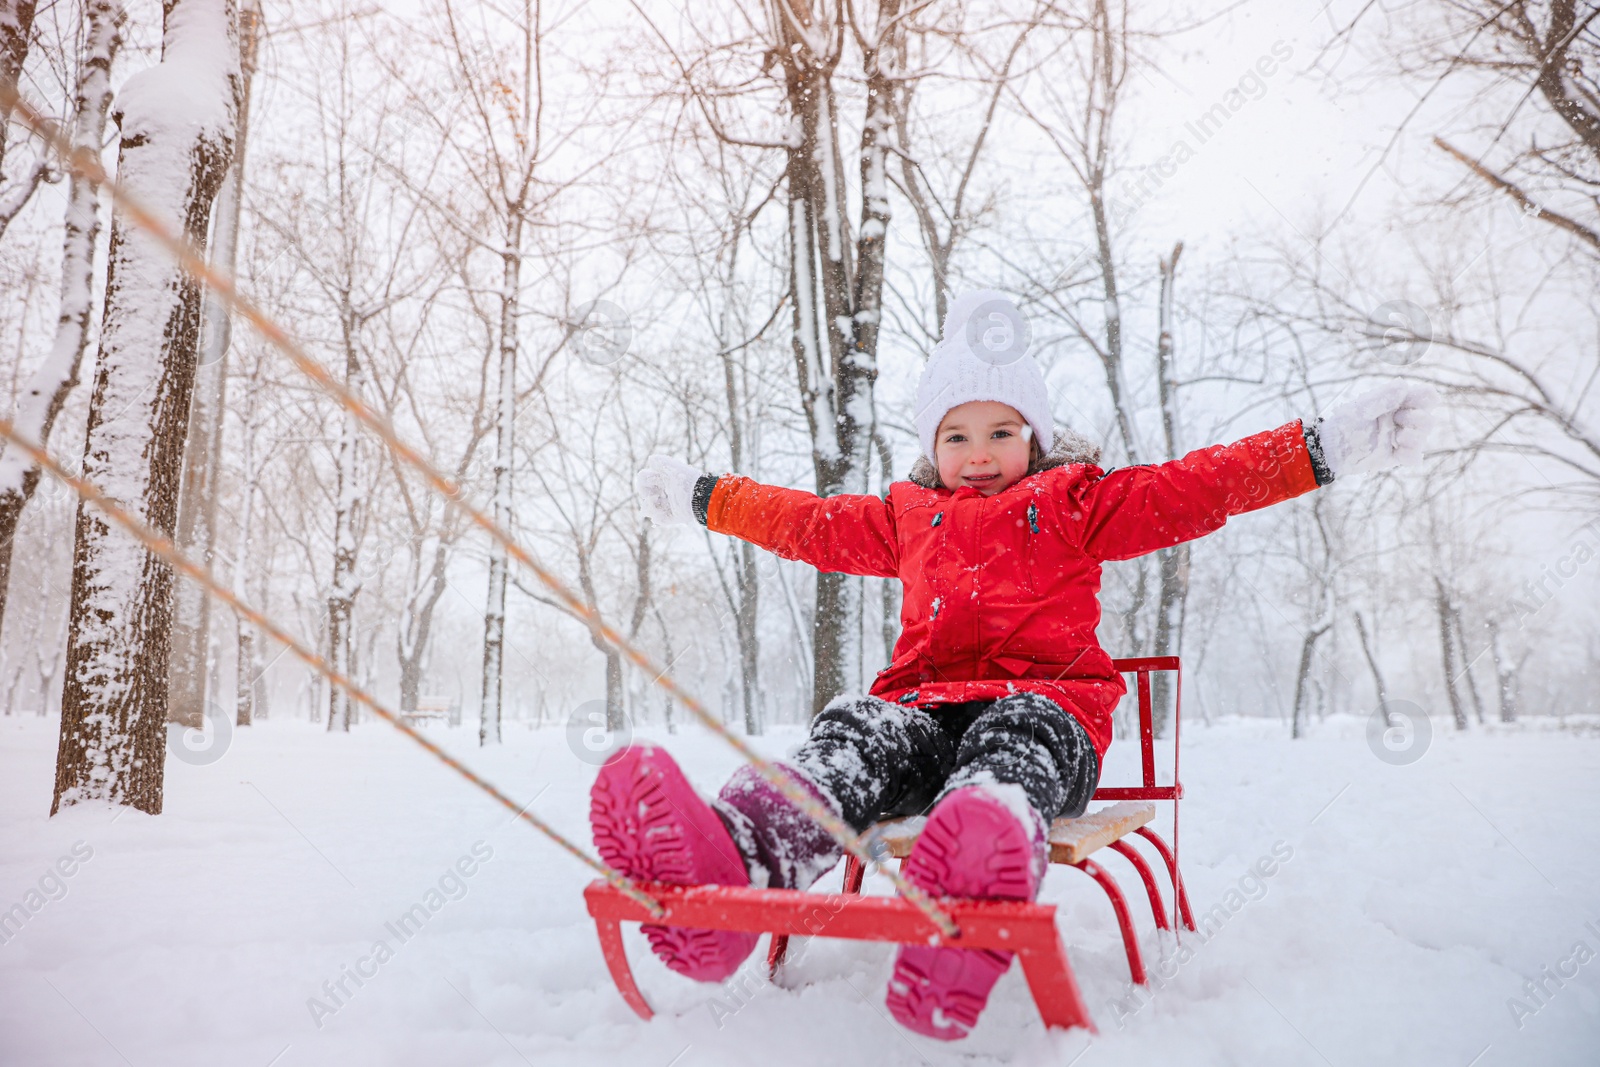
{"type": "Point", "coordinates": [983, 444]}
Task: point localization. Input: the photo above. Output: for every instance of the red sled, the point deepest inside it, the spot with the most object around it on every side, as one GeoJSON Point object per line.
{"type": "Point", "coordinates": [1027, 929]}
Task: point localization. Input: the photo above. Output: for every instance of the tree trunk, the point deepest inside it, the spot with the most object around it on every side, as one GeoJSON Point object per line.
{"type": "Point", "coordinates": [416, 629]}
{"type": "Point", "coordinates": [57, 376]}
{"type": "Point", "coordinates": [345, 585]}
{"type": "Point", "coordinates": [1111, 357]}
{"type": "Point", "coordinates": [836, 292]}
{"type": "Point", "coordinates": [818, 390]}
{"type": "Point", "coordinates": [1308, 648]}
{"type": "Point", "coordinates": [746, 583]}
{"type": "Point", "coordinates": [197, 508]}
{"type": "Point", "coordinates": [46, 667]}
{"type": "Point", "coordinates": [1505, 674]}
{"type": "Point", "coordinates": [1133, 614]}
{"type": "Point", "coordinates": [616, 714]}
{"type": "Point", "coordinates": [1372, 665]}
{"type": "Point", "coordinates": [666, 650]}
{"type": "Point", "coordinates": [245, 667]}
{"type": "Point", "coordinates": [1093, 169]}
{"type": "Point", "coordinates": [1467, 659]}
{"type": "Point", "coordinates": [410, 677]}
{"type": "Point", "coordinates": [745, 621]}
{"type": "Point", "coordinates": [745, 624]}
{"type": "Point", "coordinates": [192, 657]}
{"type": "Point", "coordinates": [1557, 80]}
{"type": "Point", "coordinates": [244, 676]}
{"type": "Point", "coordinates": [176, 147]}
{"type": "Point", "coordinates": [1447, 645]}
{"type": "Point", "coordinates": [1173, 562]}
{"type": "Point", "coordinates": [889, 587]}
{"type": "Point", "coordinates": [494, 614]}
{"type": "Point", "coordinates": [1171, 598]}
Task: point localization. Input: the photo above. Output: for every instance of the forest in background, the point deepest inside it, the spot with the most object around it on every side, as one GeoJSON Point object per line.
{"type": "Point", "coordinates": [547, 241]}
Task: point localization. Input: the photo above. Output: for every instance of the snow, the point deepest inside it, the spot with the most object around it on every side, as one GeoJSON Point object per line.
{"type": "Point", "coordinates": [188, 94]}
{"type": "Point", "coordinates": [1354, 912]}
{"type": "Point", "coordinates": [827, 170]}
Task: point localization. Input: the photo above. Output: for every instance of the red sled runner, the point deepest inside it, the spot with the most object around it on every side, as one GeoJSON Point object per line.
{"type": "Point", "coordinates": [1027, 929]}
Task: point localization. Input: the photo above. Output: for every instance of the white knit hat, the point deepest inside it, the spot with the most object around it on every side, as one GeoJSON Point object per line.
{"type": "Point", "coordinates": [983, 355]}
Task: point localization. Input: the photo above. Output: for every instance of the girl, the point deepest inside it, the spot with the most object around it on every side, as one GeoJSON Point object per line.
{"type": "Point", "coordinates": [995, 712]}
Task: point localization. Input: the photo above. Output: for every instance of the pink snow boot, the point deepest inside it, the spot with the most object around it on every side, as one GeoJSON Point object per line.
{"type": "Point", "coordinates": [980, 841]}
{"type": "Point", "coordinates": [651, 825]}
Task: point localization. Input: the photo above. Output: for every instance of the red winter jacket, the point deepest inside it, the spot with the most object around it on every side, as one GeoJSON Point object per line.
{"type": "Point", "coordinates": [1001, 592]}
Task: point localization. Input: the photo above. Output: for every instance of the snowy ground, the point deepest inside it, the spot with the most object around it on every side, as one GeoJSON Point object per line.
{"type": "Point", "coordinates": [1416, 902]}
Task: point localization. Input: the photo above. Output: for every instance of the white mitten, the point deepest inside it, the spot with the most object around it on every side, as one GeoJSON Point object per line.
{"type": "Point", "coordinates": [1385, 427]}
{"type": "Point", "coordinates": [666, 491]}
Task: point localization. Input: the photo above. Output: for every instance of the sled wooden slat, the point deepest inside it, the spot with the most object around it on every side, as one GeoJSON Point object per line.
{"type": "Point", "coordinates": [1071, 840]}
{"type": "Point", "coordinates": [1074, 840]}
{"type": "Point", "coordinates": [899, 835]}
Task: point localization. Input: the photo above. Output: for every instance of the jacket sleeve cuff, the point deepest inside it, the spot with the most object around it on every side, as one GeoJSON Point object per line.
{"type": "Point", "coordinates": [1319, 462]}
{"type": "Point", "coordinates": [700, 503]}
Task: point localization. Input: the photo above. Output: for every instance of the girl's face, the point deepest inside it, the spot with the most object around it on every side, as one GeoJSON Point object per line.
{"type": "Point", "coordinates": [984, 444]}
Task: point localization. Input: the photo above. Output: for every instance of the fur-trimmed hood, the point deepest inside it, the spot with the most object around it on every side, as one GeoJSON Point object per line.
{"type": "Point", "coordinates": [1069, 447]}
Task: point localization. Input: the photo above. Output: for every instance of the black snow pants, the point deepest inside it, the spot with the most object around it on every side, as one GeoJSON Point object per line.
{"type": "Point", "coordinates": [880, 760]}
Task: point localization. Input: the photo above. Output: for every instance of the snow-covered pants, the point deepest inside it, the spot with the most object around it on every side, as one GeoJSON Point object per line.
{"type": "Point", "coordinates": [880, 760]}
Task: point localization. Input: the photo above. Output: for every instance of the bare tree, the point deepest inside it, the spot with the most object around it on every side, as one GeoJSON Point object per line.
{"type": "Point", "coordinates": [249, 685]}
{"type": "Point", "coordinates": [1078, 118]}
{"type": "Point", "coordinates": [1532, 141]}
{"type": "Point", "coordinates": [1505, 672]}
{"type": "Point", "coordinates": [1550, 48]}
{"type": "Point", "coordinates": [946, 216]}
{"type": "Point", "coordinates": [745, 592]}
{"type": "Point", "coordinates": [192, 653]}
{"type": "Point", "coordinates": [1469, 657]}
{"type": "Point", "coordinates": [836, 284]}
{"type": "Point", "coordinates": [828, 71]}
{"type": "Point", "coordinates": [56, 377]}
{"type": "Point", "coordinates": [434, 526]}
{"type": "Point", "coordinates": [585, 474]}
{"type": "Point", "coordinates": [16, 39]}
{"type": "Point", "coordinates": [1448, 648]}
{"type": "Point", "coordinates": [835, 271]}
{"type": "Point", "coordinates": [1372, 665]}
{"type": "Point", "coordinates": [346, 229]}
{"type": "Point", "coordinates": [176, 148]}
{"type": "Point", "coordinates": [725, 188]}
{"type": "Point", "coordinates": [1082, 132]}
{"type": "Point", "coordinates": [1318, 557]}
{"type": "Point", "coordinates": [497, 137]}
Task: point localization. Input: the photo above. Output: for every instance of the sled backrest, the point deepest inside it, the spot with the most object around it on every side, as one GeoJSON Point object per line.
{"type": "Point", "coordinates": [1142, 668]}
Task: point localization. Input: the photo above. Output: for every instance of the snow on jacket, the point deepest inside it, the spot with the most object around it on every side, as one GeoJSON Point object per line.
{"type": "Point", "coordinates": [1002, 592]}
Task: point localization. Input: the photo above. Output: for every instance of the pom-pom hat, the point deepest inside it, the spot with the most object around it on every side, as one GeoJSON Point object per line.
{"type": "Point", "coordinates": [983, 355]}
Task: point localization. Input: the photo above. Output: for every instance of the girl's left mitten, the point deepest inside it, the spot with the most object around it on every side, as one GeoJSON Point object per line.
{"type": "Point", "coordinates": [666, 491]}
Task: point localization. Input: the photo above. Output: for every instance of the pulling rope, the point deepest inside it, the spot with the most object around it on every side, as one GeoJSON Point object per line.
{"type": "Point", "coordinates": [163, 547]}
{"type": "Point", "coordinates": [222, 286]}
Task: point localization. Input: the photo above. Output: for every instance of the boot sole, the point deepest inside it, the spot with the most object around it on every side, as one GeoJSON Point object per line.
{"type": "Point", "coordinates": [649, 824]}
{"type": "Point", "coordinates": [973, 846]}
